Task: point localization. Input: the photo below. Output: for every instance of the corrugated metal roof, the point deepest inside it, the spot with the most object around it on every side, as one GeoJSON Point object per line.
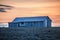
{"type": "Point", "coordinates": [26, 19]}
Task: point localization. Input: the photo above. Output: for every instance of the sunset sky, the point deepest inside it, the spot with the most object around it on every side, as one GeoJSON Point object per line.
{"type": "Point", "coordinates": [23, 8]}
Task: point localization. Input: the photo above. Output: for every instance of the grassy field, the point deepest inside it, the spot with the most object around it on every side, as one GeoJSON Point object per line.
{"type": "Point", "coordinates": [22, 33]}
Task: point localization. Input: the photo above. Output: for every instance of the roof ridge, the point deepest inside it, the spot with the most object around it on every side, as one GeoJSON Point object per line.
{"type": "Point", "coordinates": [31, 16]}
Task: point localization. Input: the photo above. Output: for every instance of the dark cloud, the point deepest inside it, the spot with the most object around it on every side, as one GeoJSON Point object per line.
{"type": "Point", "coordinates": [2, 10]}
{"type": "Point", "coordinates": [5, 7]}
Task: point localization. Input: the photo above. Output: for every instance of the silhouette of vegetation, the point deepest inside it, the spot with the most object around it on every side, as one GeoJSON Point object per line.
{"type": "Point", "coordinates": [22, 33]}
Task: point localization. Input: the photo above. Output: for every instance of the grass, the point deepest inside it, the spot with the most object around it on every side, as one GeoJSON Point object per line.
{"type": "Point", "coordinates": [22, 33]}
